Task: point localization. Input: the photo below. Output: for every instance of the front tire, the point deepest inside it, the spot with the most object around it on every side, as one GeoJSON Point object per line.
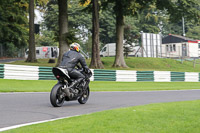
{"type": "Point", "coordinates": [83, 99]}
{"type": "Point", "coordinates": [55, 96]}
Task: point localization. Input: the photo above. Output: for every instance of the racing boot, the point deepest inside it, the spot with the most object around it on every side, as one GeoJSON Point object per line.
{"type": "Point", "coordinates": [73, 84]}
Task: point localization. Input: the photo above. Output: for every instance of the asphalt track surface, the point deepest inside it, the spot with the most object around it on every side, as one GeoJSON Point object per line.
{"type": "Point", "coordinates": [21, 108]}
{"type": "Point", "coordinates": [10, 60]}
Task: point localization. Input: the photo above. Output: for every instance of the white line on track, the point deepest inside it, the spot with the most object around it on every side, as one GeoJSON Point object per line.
{"type": "Point", "coordinates": [4, 93]}
{"type": "Point", "coordinates": [32, 123]}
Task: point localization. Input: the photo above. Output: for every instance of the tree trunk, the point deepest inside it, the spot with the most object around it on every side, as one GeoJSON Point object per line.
{"type": "Point", "coordinates": [96, 60]}
{"type": "Point", "coordinates": [63, 29]}
{"type": "Point", "coordinates": [31, 54]}
{"type": "Point", "coordinates": [119, 58]}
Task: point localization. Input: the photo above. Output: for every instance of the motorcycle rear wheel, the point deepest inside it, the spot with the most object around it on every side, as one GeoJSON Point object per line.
{"type": "Point", "coordinates": [83, 99]}
{"type": "Point", "coordinates": [55, 98]}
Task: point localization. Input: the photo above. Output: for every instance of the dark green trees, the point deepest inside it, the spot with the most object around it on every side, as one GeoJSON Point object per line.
{"type": "Point", "coordinates": [13, 27]}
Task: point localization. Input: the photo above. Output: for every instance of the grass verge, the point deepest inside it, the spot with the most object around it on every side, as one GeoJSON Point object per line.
{"type": "Point", "coordinates": [134, 63]}
{"type": "Point", "coordinates": [177, 117]}
{"type": "Point", "coordinates": [9, 85]}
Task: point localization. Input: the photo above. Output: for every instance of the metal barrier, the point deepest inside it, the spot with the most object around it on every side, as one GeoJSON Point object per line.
{"type": "Point", "coordinates": [45, 73]}
{"type": "Point", "coordinates": [20, 72]}
{"type": "Point", "coordinates": [104, 75]}
{"type": "Point", "coordinates": [145, 76]}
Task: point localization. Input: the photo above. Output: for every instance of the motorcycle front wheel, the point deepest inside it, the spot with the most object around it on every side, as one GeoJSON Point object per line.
{"type": "Point", "coordinates": [83, 99]}
{"type": "Point", "coordinates": [56, 97]}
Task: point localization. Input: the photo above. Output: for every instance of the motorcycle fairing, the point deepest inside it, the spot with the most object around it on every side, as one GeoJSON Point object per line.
{"type": "Point", "coordinates": [60, 72]}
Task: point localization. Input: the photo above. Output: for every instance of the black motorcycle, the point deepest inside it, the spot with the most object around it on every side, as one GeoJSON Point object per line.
{"type": "Point", "coordinates": [60, 92]}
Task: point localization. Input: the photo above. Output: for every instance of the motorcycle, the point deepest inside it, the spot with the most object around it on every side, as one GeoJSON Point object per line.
{"type": "Point", "coordinates": [60, 92]}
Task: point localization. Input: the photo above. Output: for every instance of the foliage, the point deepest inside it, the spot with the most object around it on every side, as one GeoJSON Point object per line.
{"type": "Point", "coordinates": [128, 46]}
{"type": "Point", "coordinates": [87, 46]}
{"type": "Point", "coordinates": [177, 9]}
{"type": "Point", "coordinates": [50, 23]}
{"type": "Point", "coordinates": [41, 3]}
{"type": "Point", "coordinates": [12, 50]}
{"type": "Point", "coordinates": [46, 38]}
{"type": "Point", "coordinates": [78, 20]}
{"type": "Point", "coordinates": [150, 18]}
{"type": "Point", "coordinates": [13, 24]}
{"type": "Point", "coordinates": [51, 17]}
{"type": "Point", "coordinates": [107, 25]}
{"type": "Point", "coordinates": [194, 32]}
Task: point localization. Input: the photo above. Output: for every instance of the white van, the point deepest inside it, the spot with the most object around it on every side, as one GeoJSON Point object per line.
{"type": "Point", "coordinates": [45, 52]}
{"type": "Point", "coordinates": [110, 50]}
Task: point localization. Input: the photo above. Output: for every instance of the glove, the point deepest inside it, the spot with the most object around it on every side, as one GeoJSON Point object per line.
{"type": "Point", "coordinates": [87, 70]}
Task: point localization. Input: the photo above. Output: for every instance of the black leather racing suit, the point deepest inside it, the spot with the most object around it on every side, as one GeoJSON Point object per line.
{"type": "Point", "coordinates": [69, 61]}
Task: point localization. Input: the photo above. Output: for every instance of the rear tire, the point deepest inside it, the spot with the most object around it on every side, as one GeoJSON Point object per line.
{"type": "Point", "coordinates": [55, 99]}
{"type": "Point", "coordinates": [83, 99]}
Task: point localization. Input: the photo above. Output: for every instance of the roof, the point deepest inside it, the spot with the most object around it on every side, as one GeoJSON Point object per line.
{"type": "Point", "coordinates": [176, 39]}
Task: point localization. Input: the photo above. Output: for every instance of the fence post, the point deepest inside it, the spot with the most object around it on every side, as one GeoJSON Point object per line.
{"type": "Point", "coordinates": [194, 62]}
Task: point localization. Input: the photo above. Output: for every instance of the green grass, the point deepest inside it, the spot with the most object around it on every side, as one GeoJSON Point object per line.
{"type": "Point", "coordinates": [177, 117]}
{"type": "Point", "coordinates": [40, 62]}
{"type": "Point", "coordinates": [9, 85]}
{"type": "Point", "coordinates": [154, 64]}
{"type": "Point", "coordinates": [141, 64]}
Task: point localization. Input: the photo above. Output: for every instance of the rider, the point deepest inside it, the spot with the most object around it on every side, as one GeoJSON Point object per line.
{"type": "Point", "coordinates": [70, 60]}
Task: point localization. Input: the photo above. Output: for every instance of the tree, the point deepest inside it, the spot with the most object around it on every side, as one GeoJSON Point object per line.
{"type": "Point", "coordinates": [95, 61]}
{"type": "Point", "coordinates": [194, 32]}
{"type": "Point", "coordinates": [119, 58]}
{"type": "Point", "coordinates": [13, 27]}
{"type": "Point", "coordinates": [51, 17]}
{"type": "Point", "coordinates": [31, 55]}
{"type": "Point", "coordinates": [79, 22]}
{"type": "Point", "coordinates": [107, 24]}
{"type": "Point", "coordinates": [46, 38]}
{"type": "Point", "coordinates": [63, 29]}
{"type": "Point", "coordinates": [176, 9]}
{"type": "Point", "coordinates": [123, 8]}
{"type": "Point", "coordinates": [150, 18]}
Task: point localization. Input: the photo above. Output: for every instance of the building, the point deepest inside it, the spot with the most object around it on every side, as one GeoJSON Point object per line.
{"type": "Point", "coordinates": [175, 46]}
{"type": "Point", "coordinates": [198, 47]}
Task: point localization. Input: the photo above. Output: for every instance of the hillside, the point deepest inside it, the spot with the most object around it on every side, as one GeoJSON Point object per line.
{"type": "Point", "coordinates": [140, 64]}
{"type": "Point", "coordinates": [155, 64]}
